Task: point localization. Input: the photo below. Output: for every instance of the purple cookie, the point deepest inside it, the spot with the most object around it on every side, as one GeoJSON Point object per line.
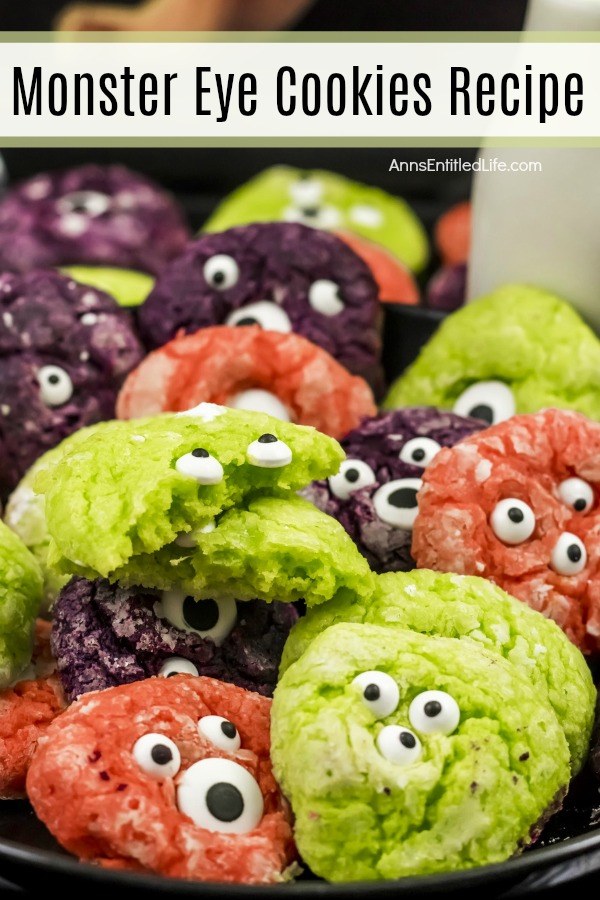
{"type": "Point", "coordinates": [102, 215]}
{"type": "Point", "coordinates": [65, 350]}
{"type": "Point", "coordinates": [104, 635]}
{"type": "Point", "coordinates": [447, 288]}
{"type": "Point", "coordinates": [282, 276]}
{"type": "Point", "coordinates": [374, 495]}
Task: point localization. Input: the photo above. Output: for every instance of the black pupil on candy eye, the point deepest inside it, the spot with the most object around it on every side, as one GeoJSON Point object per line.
{"type": "Point", "coordinates": [224, 802]}
{"type": "Point", "coordinates": [574, 553]}
{"type": "Point", "coordinates": [515, 515]}
{"type": "Point", "coordinates": [172, 674]}
{"type": "Point", "coordinates": [580, 504]}
{"type": "Point", "coordinates": [161, 754]}
{"type": "Point", "coordinates": [352, 475]}
{"type": "Point", "coordinates": [310, 211]}
{"type": "Point", "coordinates": [202, 615]}
{"type": "Point", "coordinates": [267, 439]}
{"type": "Point", "coordinates": [218, 277]}
{"type": "Point", "coordinates": [372, 692]}
{"type": "Point", "coordinates": [403, 498]}
{"type": "Point", "coordinates": [432, 708]}
{"type": "Point", "coordinates": [483, 412]}
{"type": "Point", "coordinates": [55, 379]}
{"type": "Point", "coordinates": [200, 453]}
{"type": "Point", "coordinates": [418, 455]}
{"type": "Point", "coordinates": [228, 729]}
{"type": "Point", "coordinates": [247, 320]}
{"type": "Point", "coordinates": [407, 740]}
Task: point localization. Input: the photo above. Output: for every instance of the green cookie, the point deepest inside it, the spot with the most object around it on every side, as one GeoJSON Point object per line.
{"type": "Point", "coordinates": [129, 288]}
{"type": "Point", "coordinates": [530, 348]}
{"type": "Point", "coordinates": [460, 606]}
{"type": "Point", "coordinates": [280, 548]}
{"type": "Point", "coordinates": [25, 512]}
{"type": "Point", "coordinates": [329, 201]}
{"type": "Point", "coordinates": [20, 600]}
{"type": "Point", "coordinates": [387, 780]}
{"type": "Point", "coordinates": [198, 499]}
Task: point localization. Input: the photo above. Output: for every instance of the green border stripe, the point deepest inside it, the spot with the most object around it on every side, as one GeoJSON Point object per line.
{"type": "Point", "coordinates": [306, 37]}
{"type": "Point", "coordinates": [383, 142]}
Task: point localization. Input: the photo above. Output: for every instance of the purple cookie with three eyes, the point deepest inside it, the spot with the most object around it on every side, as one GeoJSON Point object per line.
{"type": "Point", "coordinates": [374, 495]}
{"type": "Point", "coordinates": [282, 276]}
{"type": "Point", "coordinates": [104, 635]}
{"type": "Point", "coordinates": [101, 215]}
{"type": "Point", "coordinates": [65, 350]}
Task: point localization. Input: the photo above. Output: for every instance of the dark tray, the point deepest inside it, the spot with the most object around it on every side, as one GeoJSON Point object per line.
{"type": "Point", "coordinates": [568, 849]}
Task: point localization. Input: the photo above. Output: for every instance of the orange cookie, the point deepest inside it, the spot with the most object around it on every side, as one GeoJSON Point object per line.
{"type": "Point", "coordinates": [249, 368]}
{"type": "Point", "coordinates": [167, 775]}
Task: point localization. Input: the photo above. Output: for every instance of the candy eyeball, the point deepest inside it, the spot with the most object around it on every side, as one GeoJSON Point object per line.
{"type": "Point", "coordinates": [577, 494]}
{"type": "Point", "coordinates": [210, 619]}
{"type": "Point", "coordinates": [220, 795]}
{"type": "Point", "coordinates": [399, 745]}
{"type": "Point", "coordinates": [264, 313]}
{"type": "Point", "coordinates": [569, 556]}
{"type": "Point", "coordinates": [201, 466]}
{"type": "Point", "coordinates": [379, 692]}
{"type": "Point", "coordinates": [221, 272]}
{"type": "Point", "coordinates": [366, 216]}
{"type": "Point", "coordinates": [306, 191]}
{"type": "Point", "coordinates": [157, 755]}
{"type": "Point", "coordinates": [268, 452]}
{"type": "Point", "coordinates": [353, 475]}
{"type": "Point", "coordinates": [434, 712]}
{"type": "Point", "coordinates": [87, 203]}
{"type": "Point", "coordinates": [177, 666]}
{"type": "Point", "coordinates": [419, 451]}
{"type": "Point", "coordinates": [396, 502]}
{"type": "Point", "coordinates": [220, 732]}
{"type": "Point", "coordinates": [491, 401]}
{"type": "Point", "coordinates": [56, 387]}
{"type": "Point", "coordinates": [257, 400]}
{"type": "Point", "coordinates": [512, 521]}
{"type": "Point", "coordinates": [324, 297]}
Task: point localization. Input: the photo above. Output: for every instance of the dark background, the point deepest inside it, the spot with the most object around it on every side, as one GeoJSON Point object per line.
{"type": "Point", "coordinates": [331, 15]}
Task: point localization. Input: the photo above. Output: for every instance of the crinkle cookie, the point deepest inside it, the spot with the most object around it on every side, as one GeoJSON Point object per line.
{"type": "Point", "coordinates": [520, 349]}
{"type": "Point", "coordinates": [281, 276]}
{"type": "Point", "coordinates": [128, 287]}
{"type": "Point", "coordinates": [104, 635]}
{"type": "Point", "coordinates": [249, 368]}
{"type": "Point", "coordinates": [374, 494]}
{"type": "Point", "coordinates": [20, 600]}
{"type": "Point", "coordinates": [26, 710]}
{"type": "Point", "coordinates": [171, 776]}
{"type": "Point", "coordinates": [519, 504]}
{"type": "Point", "coordinates": [25, 511]}
{"type": "Point", "coordinates": [103, 215]}
{"type": "Point", "coordinates": [65, 350]}
{"type": "Point", "coordinates": [461, 606]}
{"type": "Point", "coordinates": [205, 501]}
{"type": "Point", "coordinates": [329, 201]}
{"type": "Point", "coordinates": [405, 754]}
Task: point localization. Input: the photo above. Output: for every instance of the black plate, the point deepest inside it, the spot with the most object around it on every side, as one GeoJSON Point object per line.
{"type": "Point", "coordinates": [568, 849]}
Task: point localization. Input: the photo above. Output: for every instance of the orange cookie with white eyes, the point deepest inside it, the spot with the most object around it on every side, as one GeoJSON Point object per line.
{"type": "Point", "coordinates": [166, 775]}
{"type": "Point", "coordinates": [519, 503]}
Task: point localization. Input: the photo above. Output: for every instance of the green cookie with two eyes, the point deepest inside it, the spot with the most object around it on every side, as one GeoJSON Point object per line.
{"type": "Point", "coordinates": [475, 610]}
{"type": "Point", "coordinates": [404, 754]}
{"type": "Point", "coordinates": [205, 501]}
{"type": "Point", "coordinates": [518, 350]}
{"type": "Point", "coordinates": [328, 201]}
